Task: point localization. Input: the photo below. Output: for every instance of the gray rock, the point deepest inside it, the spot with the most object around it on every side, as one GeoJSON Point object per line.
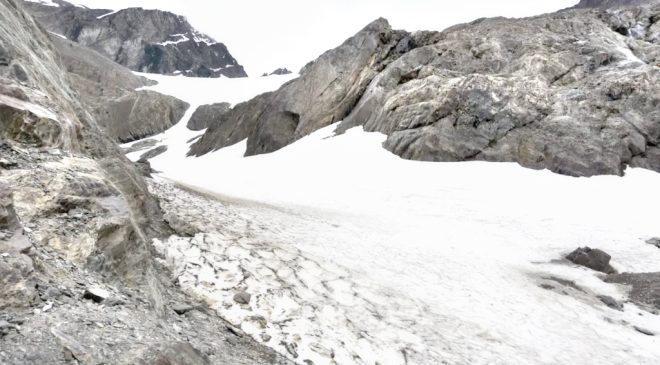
{"type": "Point", "coordinates": [141, 145]}
{"type": "Point", "coordinates": [242, 297]}
{"type": "Point", "coordinates": [645, 287]}
{"type": "Point", "coordinates": [8, 219]}
{"type": "Point", "coordinates": [568, 92]}
{"type": "Point", "coordinates": [324, 93]}
{"type": "Point", "coordinates": [281, 71]}
{"type": "Point", "coordinates": [611, 302]}
{"type": "Point", "coordinates": [109, 90]}
{"type": "Point", "coordinates": [207, 115]}
{"type": "Point", "coordinates": [96, 294]}
{"type": "Point", "coordinates": [152, 153]}
{"type": "Point", "coordinates": [654, 242]}
{"type": "Point", "coordinates": [7, 164]}
{"type": "Point", "coordinates": [180, 308]}
{"type": "Point", "coordinates": [140, 114]}
{"type": "Point", "coordinates": [144, 40]}
{"type": "Point", "coordinates": [594, 259]}
{"type": "Point", "coordinates": [611, 3]}
{"type": "Point", "coordinates": [644, 331]}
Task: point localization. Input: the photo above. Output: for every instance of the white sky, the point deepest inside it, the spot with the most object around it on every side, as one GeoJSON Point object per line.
{"type": "Point", "coordinates": [264, 35]}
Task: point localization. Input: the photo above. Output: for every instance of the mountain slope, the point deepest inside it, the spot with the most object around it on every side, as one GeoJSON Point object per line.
{"type": "Point", "coordinates": [79, 278]}
{"type": "Point", "coordinates": [575, 92]}
{"type": "Point", "coordinates": [143, 40]}
{"type": "Point", "coordinates": [108, 89]}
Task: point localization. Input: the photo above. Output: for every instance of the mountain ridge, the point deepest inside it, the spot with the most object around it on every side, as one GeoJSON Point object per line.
{"type": "Point", "coordinates": [144, 40]}
{"type": "Point", "coordinates": [573, 91]}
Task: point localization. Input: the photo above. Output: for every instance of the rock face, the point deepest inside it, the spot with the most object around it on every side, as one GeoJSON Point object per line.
{"type": "Point", "coordinates": [611, 3]}
{"type": "Point", "coordinates": [325, 93]}
{"type": "Point", "coordinates": [207, 115]}
{"type": "Point", "coordinates": [77, 221]}
{"type": "Point", "coordinates": [576, 92]}
{"type": "Point", "coordinates": [151, 41]}
{"type": "Point", "coordinates": [109, 90]}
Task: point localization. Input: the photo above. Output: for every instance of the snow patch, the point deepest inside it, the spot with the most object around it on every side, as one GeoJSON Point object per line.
{"type": "Point", "coordinates": [354, 252]}
{"type": "Point", "coordinates": [182, 38]}
{"type": "Point", "coordinates": [58, 35]}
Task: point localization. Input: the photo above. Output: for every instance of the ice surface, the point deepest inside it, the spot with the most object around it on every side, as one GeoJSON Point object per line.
{"type": "Point", "coordinates": [373, 258]}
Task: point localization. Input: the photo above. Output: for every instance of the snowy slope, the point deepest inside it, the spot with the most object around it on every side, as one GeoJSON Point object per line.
{"type": "Point", "coordinates": [432, 261]}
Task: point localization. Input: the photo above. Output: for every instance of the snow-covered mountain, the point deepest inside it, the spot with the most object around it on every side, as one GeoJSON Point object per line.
{"type": "Point", "coordinates": [143, 40]}
{"type": "Point", "coordinates": [293, 236]}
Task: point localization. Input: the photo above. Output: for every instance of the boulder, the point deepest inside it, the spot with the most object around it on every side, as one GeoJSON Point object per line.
{"type": "Point", "coordinates": [207, 115]}
{"type": "Point", "coordinates": [594, 259]}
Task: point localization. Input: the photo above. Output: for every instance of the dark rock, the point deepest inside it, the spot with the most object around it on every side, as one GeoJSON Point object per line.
{"type": "Point", "coordinates": [141, 145]}
{"type": "Point", "coordinates": [644, 331]}
{"type": "Point", "coordinates": [180, 308]}
{"type": "Point", "coordinates": [7, 164]}
{"type": "Point", "coordinates": [144, 40]}
{"type": "Point", "coordinates": [594, 259]}
{"type": "Point", "coordinates": [207, 115]}
{"type": "Point", "coordinates": [611, 302]}
{"type": "Point", "coordinates": [179, 354]}
{"type": "Point", "coordinates": [96, 294]}
{"type": "Point", "coordinates": [152, 153]}
{"type": "Point", "coordinates": [654, 242]}
{"type": "Point", "coordinates": [567, 283]}
{"type": "Point", "coordinates": [19, 73]}
{"type": "Point", "coordinates": [645, 287]}
{"type": "Point", "coordinates": [266, 337]}
{"type": "Point", "coordinates": [242, 297]}
{"type": "Point", "coordinates": [5, 57]}
{"type": "Point", "coordinates": [291, 348]}
{"type": "Point", "coordinates": [281, 71]}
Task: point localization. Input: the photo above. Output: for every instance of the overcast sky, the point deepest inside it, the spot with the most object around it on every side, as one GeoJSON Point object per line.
{"type": "Point", "coordinates": [264, 34]}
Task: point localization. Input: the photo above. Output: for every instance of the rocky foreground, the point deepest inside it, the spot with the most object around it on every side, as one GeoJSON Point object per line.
{"type": "Point", "coordinates": [576, 92]}
{"type": "Point", "coordinates": [78, 275]}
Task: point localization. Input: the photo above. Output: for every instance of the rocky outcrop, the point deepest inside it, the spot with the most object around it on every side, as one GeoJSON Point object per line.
{"type": "Point", "coordinates": [108, 89]}
{"type": "Point", "coordinates": [207, 115]}
{"type": "Point", "coordinates": [143, 40]}
{"type": "Point", "coordinates": [645, 287]}
{"type": "Point", "coordinates": [593, 259]}
{"type": "Point", "coordinates": [575, 92]}
{"type": "Point", "coordinates": [279, 71]}
{"type": "Point", "coordinates": [611, 3]}
{"type": "Point", "coordinates": [79, 278]}
{"type": "Point", "coordinates": [326, 91]}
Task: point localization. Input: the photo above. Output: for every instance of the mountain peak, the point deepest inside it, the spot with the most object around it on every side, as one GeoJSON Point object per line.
{"type": "Point", "coordinates": [144, 40]}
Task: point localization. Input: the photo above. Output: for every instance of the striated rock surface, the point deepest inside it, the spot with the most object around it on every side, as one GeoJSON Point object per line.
{"type": "Point", "coordinates": [143, 40]}
{"type": "Point", "coordinates": [576, 92]}
{"type": "Point", "coordinates": [108, 89]}
{"type": "Point", "coordinates": [612, 3]}
{"type": "Point", "coordinates": [207, 115]}
{"type": "Point", "coordinates": [79, 278]}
